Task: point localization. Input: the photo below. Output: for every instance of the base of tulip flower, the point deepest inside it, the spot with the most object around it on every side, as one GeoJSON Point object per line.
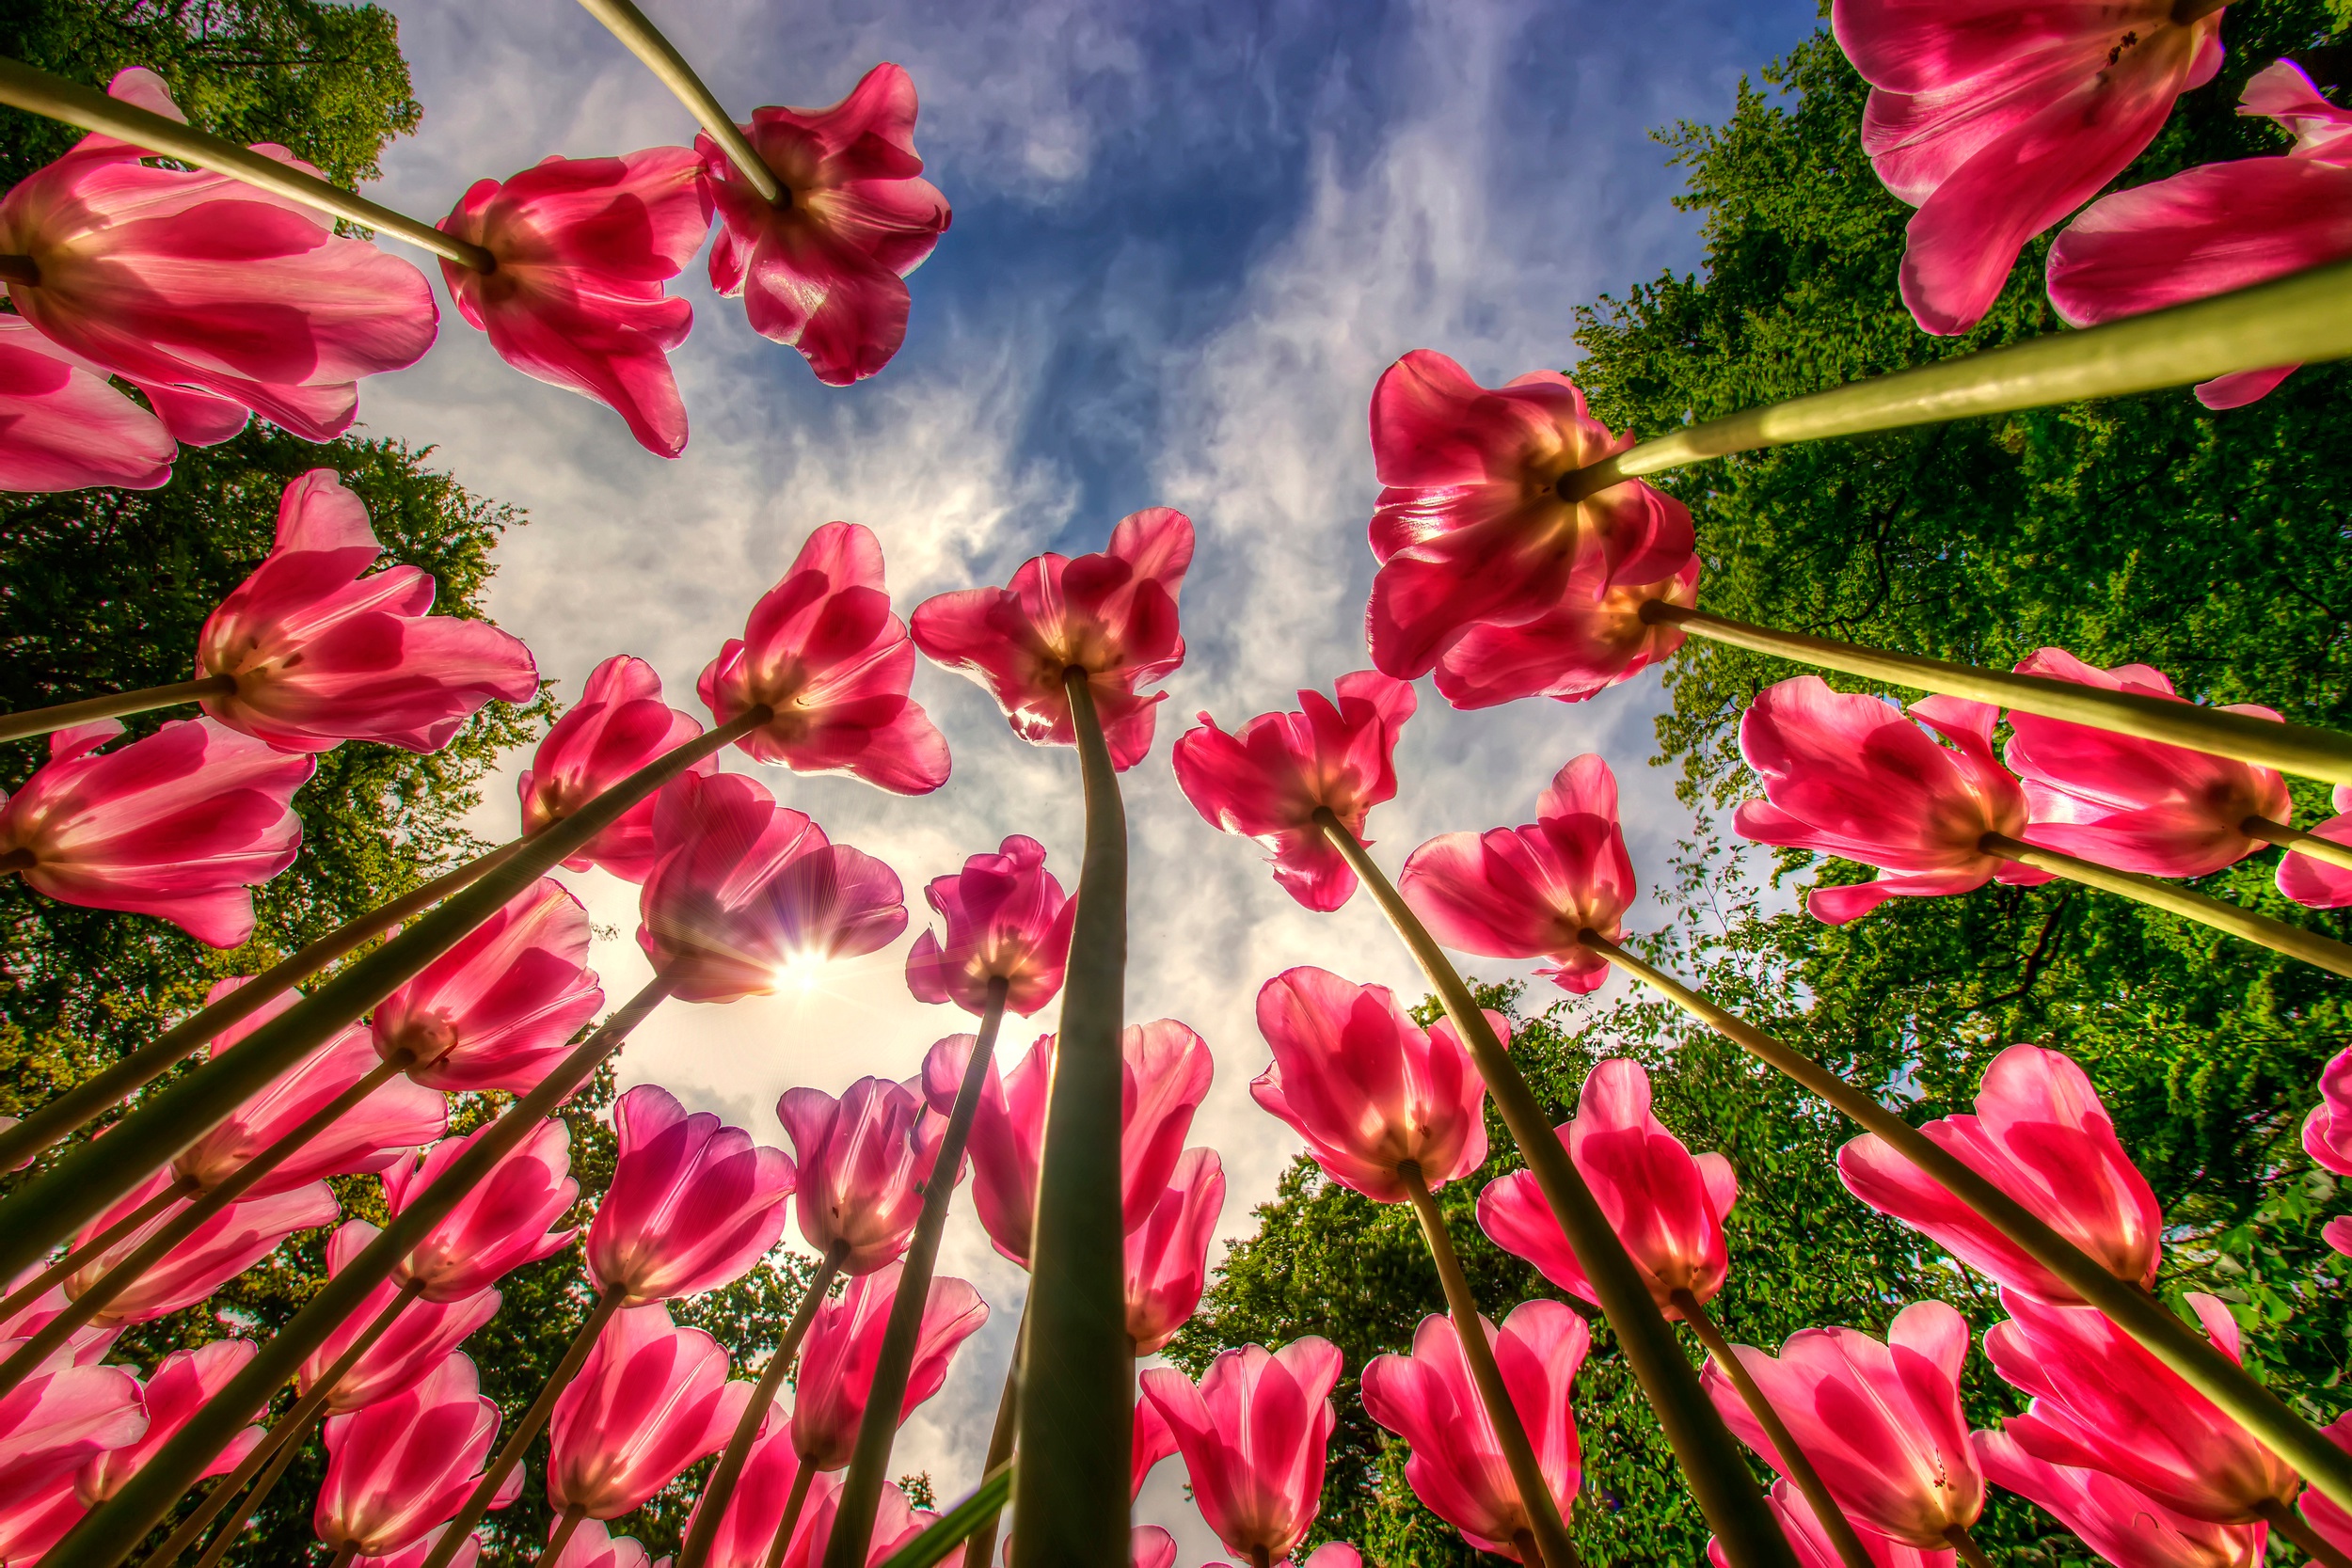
{"type": "Point", "coordinates": [1965, 1544]}
{"type": "Point", "coordinates": [2289, 1521]}
{"type": "Point", "coordinates": [38, 1287]}
{"type": "Point", "coordinates": [2297, 839]}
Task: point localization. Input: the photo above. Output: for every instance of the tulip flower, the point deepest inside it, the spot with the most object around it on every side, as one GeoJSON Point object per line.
{"type": "Point", "coordinates": [499, 1009]}
{"type": "Point", "coordinates": [1112, 616]}
{"type": "Point", "coordinates": [2137, 805]}
{"type": "Point", "coordinates": [34, 1522]}
{"type": "Point", "coordinates": [1150, 1546]}
{"type": "Point", "coordinates": [180, 824]}
{"type": "Point", "coordinates": [1007, 919]}
{"type": "Point", "coordinates": [218, 1250]}
{"type": "Point", "coordinates": [2321, 1512]}
{"type": "Point", "coordinates": [823, 268]}
{"type": "Point", "coordinates": [500, 1225]}
{"type": "Point", "coordinates": [2328, 1132]}
{"type": "Point", "coordinates": [2102, 1402]}
{"type": "Point", "coordinates": [416, 1345]}
{"type": "Point", "coordinates": [1168, 1255]}
{"type": "Point", "coordinates": [1667, 1204]}
{"type": "Point", "coordinates": [1813, 1546]}
{"type": "Point", "coordinates": [744, 886]}
{"type": "Point", "coordinates": [1268, 780]}
{"type": "Point", "coordinates": [896, 1521]}
{"type": "Point", "coordinates": [1458, 1467]}
{"type": "Point", "coordinates": [399, 1467]}
{"type": "Point", "coordinates": [320, 654]}
{"type": "Point", "coordinates": [2041, 1134]}
{"type": "Point", "coordinates": [1369, 1089]}
{"type": "Point", "coordinates": [183, 1382]}
{"type": "Point", "coordinates": [54, 1422]}
{"type": "Point", "coordinates": [2218, 226]}
{"type": "Point", "coordinates": [756, 1507]}
{"type": "Point", "coordinates": [63, 427]}
{"type": "Point", "coordinates": [583, 246]}
{"type": "Point", "coordinates": [1880, 1421]}
{"type": "Point", "coordinates": [1998, 119]}
{"type": "Point", "coordinates": [2315, 882]}
{"type": "Point", "coordinates": [861, 1165]}
{"type": "Point", "coordinates": [1849, 776]}
{"type": "Point", "coordinates": [650, 1400]}
{"type": "Point", "coordinates": [196, 288]}
{"type": "Point", "coordinates": [1153, 1443]}
{"type": "Point", "coordinates": [837, 1359]}
{"type": "Point", "coordinates": [1473, 528]}
{"type": "Point", "coordinates": [1574, 652]}
{"type": "Point", "coordinates": [2116, 1520]}
{"type": "Point", "coordinates": [693, 1205]}
{"type": "Point", "coordinates": [1253, 1435]}
{"type": "Point", "coordinates": [825, 655]}
{"type": "Point", "coordinates": [591, 1545]}
{"type": "Point", "coordinates": [1531, 892]}
{"type": "Point", "coordinates": [619, 725]}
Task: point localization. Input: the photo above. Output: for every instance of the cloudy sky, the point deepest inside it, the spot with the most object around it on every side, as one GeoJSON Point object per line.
{"type": "Point", "coordinates": [1187, 238]}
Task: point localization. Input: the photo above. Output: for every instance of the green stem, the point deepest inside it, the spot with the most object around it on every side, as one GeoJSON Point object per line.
{"type": "Point", "coordinates": [1075, 1423]}
{"type": "Point", "coordinates": [2297, 839]}
{"type": "Point", "coordinates": [38, 1287]}
{"type": "Point", "coordinates": [1000, 1442]}
{"type": "Point", "coordinates": [878, 1428]}
{"type": "Point", "coordinates": [291, 1446]}
{"type": "Point", "coordinates": [1965, 1544]}
{"type": "Point", "coordinates": [644, 41]}
{"type": "Point", "coordinates": [64, 716]}
{"type": "Point", "coordinates": [963, 1520]}
{"type": "Point", "coordinates": [803, 1473]}
{"type": "Point", "coordinates": [1719, 1476]}
{"type": "Point", "coordinates": [2283, 1518]}
{"type": "Point", "coordinates": [563, 1536]}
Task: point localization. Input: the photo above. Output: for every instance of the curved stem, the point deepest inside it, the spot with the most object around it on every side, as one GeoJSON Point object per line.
{"type": "Point", "coordinates": [2130, 1309]}
{"type": "Point", "coordinates": [2288, 1521]}
{"type": "Point", "coordinates": [2298, 841]}
{"type": "Point", "coordinates": [563, 1536]}
{"type": "Point", "coordinates": [288, 1449]}
{"type": "Point", "coordinates": [64, 716]}
{"type": "Point", "coordinates": [983, 1536]}
{"type": "Point", "coordinates": [1075, 1422]}
{"type": "Point", "coordinates": [1793, 1461]}
{"type": "Point", "coordinates": [96, 1247]}
{"type": "Point", "coordinates": [644, 41]}
{"type": "Point", "coordinates": [803, 1473]}
{"type": "Point", "coordinates": [1718, 1476]}
{"type": "Point", "coordinates": [1543, 1509]}
{"type": "Point", "coordinates": [1965, 1544]}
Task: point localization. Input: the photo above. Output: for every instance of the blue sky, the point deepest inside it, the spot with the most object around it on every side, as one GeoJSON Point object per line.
{"type": "Point", "coordinates": [1187, 238]}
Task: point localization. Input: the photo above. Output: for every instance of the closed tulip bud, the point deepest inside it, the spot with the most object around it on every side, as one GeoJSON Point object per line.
{"type": "Point", "coordinates": [693, 1205]}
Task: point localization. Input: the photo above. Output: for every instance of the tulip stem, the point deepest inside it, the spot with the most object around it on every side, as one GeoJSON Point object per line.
{"type": "Point", "coordinates": [2289, 1521]}
{"type": "Point", "coordinates": [644, 41]}
{"type": "Point", "coordinates": [563, 1536]}
{"type": "Point", "coordinates": [2298, 841]}
{"type": "Point", "coordinates": [96, 1247]}
{"type": "Point", "coordinates": [983, 1536]}
{"type": "Point", "coordinates": [343, 1555]}
{"type": "Point", "coordinates": [45, 1210]}
{"type": "Point", "coordinates": [298, 1434]}
{"type": "Point", "coordinates": [1719, 1476]}
{"type": "Point", "coordinates": [886, 1399]}
{"type": "Point", "coordinates": [64, 716]}
{"type": "Point", "coordinates": [1965, 1544]}
{"type": "Point", "coordinates": [1076, 1423]}
{"type": "Point", "coordinates": [2132, 1309]}
{"type": "Point", "coordinates": [2277, 935]}
{"type": "Point", "coordinates": [719, 1489]}
{"type": "Point", "coordinates": [803, 1473]}
{"type": "Point", "coordinates": [38, 93]}
{"type": "Point", "coordinates": [1543, 1509]}
{"type": "Point", "coordinates": [1794, 1461]}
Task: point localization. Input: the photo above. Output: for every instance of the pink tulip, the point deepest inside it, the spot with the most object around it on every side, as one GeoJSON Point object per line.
{"type": "Point", "coordinates": [1666, 1205]}
{"type": "Point", "coordinates": [1006, 919]}
{"type": "Point", "coordinates": [1167, 1069]}
{"type": "Point", "coordinates": [756, 1507]}
{"type": "Point", "coordinates": [836, 1372]}
{"type": "Point", "coordinates": [322, 654]}
{"type": "Point", "coordinates": [32, 1523]}
{"type": "Point", "coordinates": [500, 1225]}
{"type": "Point", "coordinates": [418, 1552]}
{"type": "Point", "coordinates": [1574, 651]}
{"type": "Point", "coordinates": [861, 1165]}
{"type": "Point", "coordinates": [693, 1205]}
{"type": "Point", "coordinates": [822, 269]}
{"type": "Point", "coordinates": [62, 1418]}
{"type": "Point", "coordinates": [183, 1382]}
{"type": "Point", "coordinates": [1849, 776]}
{"type": "Point", "coordinates": [1112, 616]}
{"type": "Point", "coordinates": [420, 1339]}
{"type": "Point", "coordinates": [2218, 226]}
{"type": "Point", "coordinates": [1369, 1089]}
{"type": "Point", "coordinates": [1167, 1257]}
{"type": "Point", "coordinates": [1268, 780]}
{"type": "Point", "coordinates": [200, 288]}
{"type": "Point", "coordinates": [1458, 1467]}
{"type": "Point", "coordinates": [223, 1247]}
{"type": "Point", "coordinates": [1331, 1554]}
{"type": "Point", "coordinates": [2324, 1516]}
{"type": "Point", "coordinates": [895, 1523]}
{"type": "Point", "coordinates": [650, 1400]}
{"type": "Point", "coordinates": [2315, 882]}
{"type": "Point", "coordinates": [180, 824]}
{"type": "Point", "coordinates": [823, 652]}
{"type": "Point", "coordinates": [2137, 805]}
{"type": "Point", "coordinates": [2337, 1233]}
{"type": "Point", "coordinates": [1472, 529]}
{"type": "Point", "coordinates": [594, 1546]}
{"type": "Point", "coordinates": [2123, 1525]}
{"type": "Point", "coordinates": [499, 1009]}
{"type": "Point", "coordinates": [583, 246]}
{"type": "Point", "coordinates": [1150, 1546]}
{"type": "Point", "coordinates": [1153, 1443]}
{"type": "Point", "coordinates": [2041, 1134]}
{"type": "Point", "coordinates": [2103, 1402]}
{"type": "Point", "coordinates": [619, 725]}
{"type": "Point", "coordinates": [1531, 892]}
{"type": "Point", "coordinates": [1880, 1423]}
{"type": "Point", "coordinates": [62, 426]}
{"type": "Point", "coordinates": [1998, 118]}
{"type": "Point", "coordinates": [1253, 1435]}
{"type": "Point", "coordinates": [744, 886]}
{"type": "Point", "coordinates": [2328, 1132]}
{"type": "Point", "coordinates": [398, 1468]}
{"type": "Point", "coordinates": [1815, 1549]}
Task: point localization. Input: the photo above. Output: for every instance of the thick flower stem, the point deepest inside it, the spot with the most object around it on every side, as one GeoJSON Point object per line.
{"type": "Point", "coordinates": [64, 716]}
{"type": "Point", "coordinates": [719, 1489]}
{"type": "Point", "coordinates": [38, 1287]}
{"type": "Point", "coordinates": [1965, 1544]}
{"type": "Point", "coordinates": [802, 1474]}
{"type": "Point", "coordinates": [52, 1206]}
{"type": "Point", "coordinates": [2277, 935]}
{"type": "Point", "coordinates": [2132, 1309]}
{"type": "Point", "coordinates": [2319, 849]}
{"type": "Point", "coordinates": [1718, 1476]}
{"type": "Point", "coordinates": [2288, 1521]}
{"type": "Point", "coordinates": [344, 1554]}
{"type": "Point", "coordinates": [38, 93]}
{"type": "Point", "coordinates": [1076, 1424]}
{"type": "Point", "coordinates": [1000, 1437]}
{"type": "Point", "coordinates": [1543, 1509]}
{"type": "Point", "coordinates": [861, 1490]}
{"type": "Point", "coordinates": [554, 1550]}
{"type": "Point", "coordinates": [644, 41]}
{"type": "Point", "coordinates": [2289, 747]}
{"type": "Point", "coordinates": [1792, 1458]}
{"type": "Point", "coordinates": [65, 1115]}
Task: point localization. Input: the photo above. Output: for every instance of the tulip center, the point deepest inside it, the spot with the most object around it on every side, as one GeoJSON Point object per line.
{"type": "Point", "coordinates": [16, 860]}
{"type": "Point", "coordinates": [421, 1041]}
{"type": "Point", "coordinates": [19, 269]}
